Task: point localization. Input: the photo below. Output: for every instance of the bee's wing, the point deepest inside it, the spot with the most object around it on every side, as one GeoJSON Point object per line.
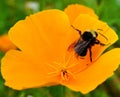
{"type": "Point", "coordinates": [81, 47]}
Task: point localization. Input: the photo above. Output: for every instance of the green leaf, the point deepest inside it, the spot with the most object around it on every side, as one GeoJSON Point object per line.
{"type": "Point", "coordinates": [57, 91]}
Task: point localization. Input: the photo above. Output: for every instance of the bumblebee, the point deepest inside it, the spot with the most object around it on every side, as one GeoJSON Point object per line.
{"type": "Point", "coordinates": [86, 42]}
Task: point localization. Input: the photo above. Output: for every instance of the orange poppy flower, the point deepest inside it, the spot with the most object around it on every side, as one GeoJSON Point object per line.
{"type": "Point", "coordinates": [47, 57]}
{"type": "Point", "coordinates": [74, 10]}
{"type": "Point", "coordinates": [5, 43]}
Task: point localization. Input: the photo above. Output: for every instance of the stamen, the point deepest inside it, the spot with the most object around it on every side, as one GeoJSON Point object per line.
{"type": "Point", "coordinates": [72, 74]}
{"type": "Point", "coordinates": [72, 65]}
{"type": "Point", "coordinates": [52, 66]}
{"type": "Point", "coordinates": [53, 74]}
{"type": "Point", "coordinates": [66, 63]}
{"type": "Point", "coordinates": [64, 75]}
{"type": "Point", "coordinates": [81, 70]}
{"type": "Point", "coordinates": [56, 63]}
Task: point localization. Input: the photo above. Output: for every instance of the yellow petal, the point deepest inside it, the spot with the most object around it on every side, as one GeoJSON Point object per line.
{"type": "Point", "coordinates": [39, 35]}
{"type": "Point", "coordinates": [74, 10]}
{"type": "Point", "coordinates": [5, 43]}
{"type": "Point", "coordinates": [97, 73]}
{"type": "Point", "coordinates": [21, 72]}
{"type": "Point", "coordinates": [85, 22]}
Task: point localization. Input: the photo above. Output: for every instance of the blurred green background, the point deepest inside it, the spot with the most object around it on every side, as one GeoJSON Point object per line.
{"type": "Point", "coordinates": [13, 10]}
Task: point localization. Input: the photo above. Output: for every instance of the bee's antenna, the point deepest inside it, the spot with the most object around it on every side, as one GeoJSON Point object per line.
{"type": "Point", "coordinates": [100, 29]}
{"type": "Point", "coordinates": [102, 34]}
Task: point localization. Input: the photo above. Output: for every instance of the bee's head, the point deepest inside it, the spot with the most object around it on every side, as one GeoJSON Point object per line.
{"type": "Point", "coordinates": [94, 33]}
{"type": "Point", "coordinates": [87, 35]}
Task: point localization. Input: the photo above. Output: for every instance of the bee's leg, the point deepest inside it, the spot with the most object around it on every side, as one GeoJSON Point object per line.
{"type": "Point", "coordinates": [90, 53]}
{"type": "Point", "coordinates": [77, 30]}
{"type": "Point", "coordinates": [98, 42]}
{"type": "Point", "coordinates": [102, 44]}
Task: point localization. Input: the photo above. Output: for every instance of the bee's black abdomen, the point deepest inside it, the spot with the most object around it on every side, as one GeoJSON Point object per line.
{"type": "Point", "coordinates": [80, 48]}
{"type": "Point", "coordinates": [83, 53]}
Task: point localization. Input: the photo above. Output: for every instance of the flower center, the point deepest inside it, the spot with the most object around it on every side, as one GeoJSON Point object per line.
{"type": "Point", "coordinates": [65, 75]}
{"type": "Point", "coordinates": [63, 70]}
